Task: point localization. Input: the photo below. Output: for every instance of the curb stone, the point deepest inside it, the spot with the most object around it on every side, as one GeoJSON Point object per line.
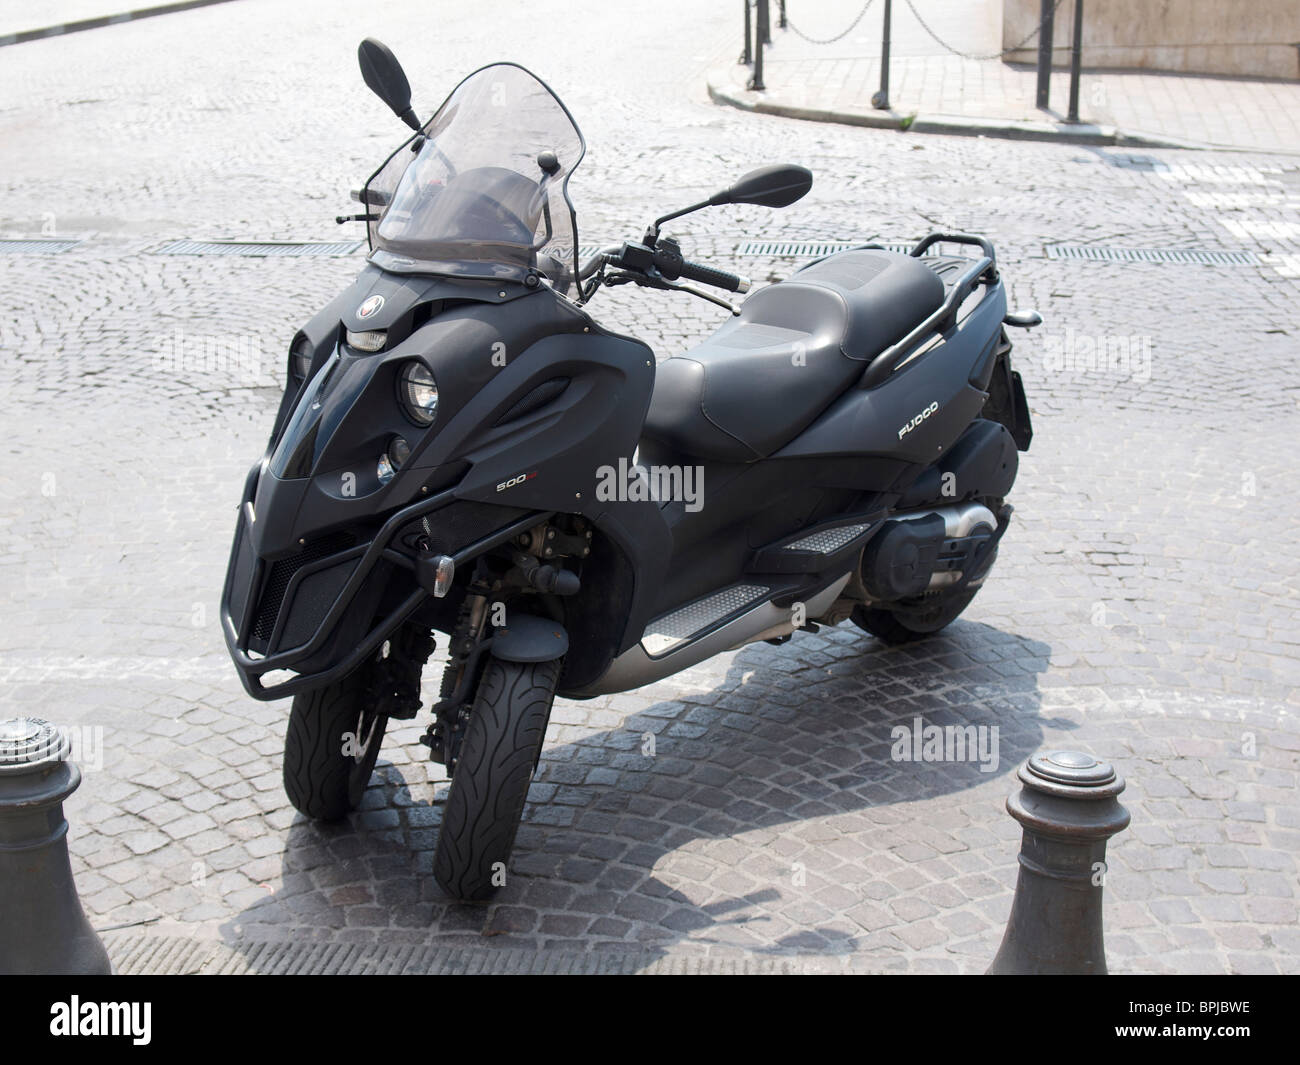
{"type": "Point", "coordinates": [729, 94]}
{"type": "Point", "coordinates": [99, 21]}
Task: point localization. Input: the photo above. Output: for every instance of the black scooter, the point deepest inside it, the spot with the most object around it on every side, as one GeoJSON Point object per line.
{"type": "Point", "coordinates": [462, 448]}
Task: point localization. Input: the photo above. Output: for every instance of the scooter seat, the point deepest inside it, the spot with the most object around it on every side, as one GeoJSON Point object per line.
{"type": "Point", "coordinates": [765, 376]}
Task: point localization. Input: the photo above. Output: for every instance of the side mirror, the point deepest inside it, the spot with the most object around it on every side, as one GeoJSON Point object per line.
{"type": "Point", "coordinates": [769, 186]}
{"type": "Point", "coordinates": [386, 78]}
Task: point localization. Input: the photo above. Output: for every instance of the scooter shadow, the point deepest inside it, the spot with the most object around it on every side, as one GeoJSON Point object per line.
{"type": "Point", "coordinates": [688, 811]}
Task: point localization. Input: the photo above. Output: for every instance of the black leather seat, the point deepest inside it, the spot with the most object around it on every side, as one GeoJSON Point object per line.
{"type": "Point", "coordinates": [761, 379]}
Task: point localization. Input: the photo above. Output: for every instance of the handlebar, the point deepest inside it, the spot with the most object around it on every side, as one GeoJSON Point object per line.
{"type": "Point", "coordinates": [707, 275]}
{"type": "Point", "coordinates": [664, 261]}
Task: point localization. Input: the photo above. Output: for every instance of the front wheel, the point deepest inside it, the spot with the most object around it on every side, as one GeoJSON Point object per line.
{"type": "Point", "coordinates": [497, 758]}
{"type": "Point", "coordinates": [331, 745]}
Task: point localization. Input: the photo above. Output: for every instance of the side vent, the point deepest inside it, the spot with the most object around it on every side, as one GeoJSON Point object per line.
{"type": "Point", "coordinates": [543, 394]}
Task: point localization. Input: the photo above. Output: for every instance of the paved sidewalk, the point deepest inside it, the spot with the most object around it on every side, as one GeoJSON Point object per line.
{"type": "Point", "coordinates": [1145, 606]}
{"type": "Point", "coordinates": [933, 90]}
{"type": "Point", "coordinates": [20, 23]}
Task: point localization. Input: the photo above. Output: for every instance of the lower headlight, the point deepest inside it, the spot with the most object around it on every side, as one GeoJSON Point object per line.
{"type": "Point", "coordinates": [391, 461]}
{"type": "Point", "coordinates": [418, 392]}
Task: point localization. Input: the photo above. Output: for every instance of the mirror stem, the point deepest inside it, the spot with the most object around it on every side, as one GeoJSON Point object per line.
{"type": "Point", "coordinates": [652, 234]}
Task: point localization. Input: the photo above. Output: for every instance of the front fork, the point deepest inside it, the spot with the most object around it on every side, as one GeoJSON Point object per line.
{"type": "Point", "coordinates": [460, 677]}
{"type": "Point", "coordinates": [393, 688]}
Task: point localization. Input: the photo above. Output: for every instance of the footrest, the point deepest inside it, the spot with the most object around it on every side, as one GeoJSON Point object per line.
{"type": "Point", "coordinates": [693, 620]}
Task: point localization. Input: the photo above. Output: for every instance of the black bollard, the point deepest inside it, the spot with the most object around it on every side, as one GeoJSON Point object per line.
{"type": "Point", "coordinates": [760, 21]}
{"type": "Point", "coordinates": [1069, 808]}
{"type": "Point", "coordinates": [43, 929]}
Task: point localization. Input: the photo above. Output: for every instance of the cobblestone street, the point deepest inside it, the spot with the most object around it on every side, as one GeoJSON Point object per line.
{"type": "Point", "coordinates": [1145, 606]}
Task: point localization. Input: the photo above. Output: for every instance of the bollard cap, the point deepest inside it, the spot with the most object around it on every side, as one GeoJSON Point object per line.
{"type": "Point", "coordinates": [1071, 767]}
{"type": "Point", "coordinates": [27, 742]}
{"type": "Point", "coordinates": [1069, 796]}
{"type": "Point", "coordinates": [1078, 778]}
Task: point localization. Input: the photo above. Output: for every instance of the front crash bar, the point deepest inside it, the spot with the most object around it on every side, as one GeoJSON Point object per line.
{"type": "Point", "coordinates": [251, 669]}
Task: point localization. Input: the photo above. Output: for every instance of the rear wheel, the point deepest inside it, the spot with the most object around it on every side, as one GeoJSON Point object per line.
{"type": "Point", "coordinates": [896, 627]}
{"type": "Point", "coordinates": [494, 767]}
{"type": "Point", "coordinates": [330, 746]}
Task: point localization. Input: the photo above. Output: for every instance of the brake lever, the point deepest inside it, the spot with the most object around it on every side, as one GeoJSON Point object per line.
{"type": "Point", "coordinates": [680, 286]}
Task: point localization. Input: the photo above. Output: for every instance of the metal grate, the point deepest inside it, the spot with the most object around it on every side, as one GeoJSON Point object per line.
{"type": "Point", "coordinates": [796, 249]}
{"type": "Point", "coordinates": [265, 249]}
{"type": "Point", "coordinates": [277, 582]}
{"type": "Point", "coordinates": [39, 246]}
{"type": "Point", "coordinates": [828, 540]}
{"type": "Point", "coordinates": [685, 622]}
{"type": "Point", "coordinates": [1192, 256]}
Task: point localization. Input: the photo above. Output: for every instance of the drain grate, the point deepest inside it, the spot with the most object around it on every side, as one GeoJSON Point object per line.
{"type": "Point", "coordinates": [1195, 256]}
{"type": "Point", "coordinates": [265, 249]}
{"type": "Point", "coordinates": [39, 246]}
{"type": "Point", "coordinates": [797, 249]}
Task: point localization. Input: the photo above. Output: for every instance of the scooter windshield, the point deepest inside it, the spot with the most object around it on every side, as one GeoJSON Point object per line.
{"type": "Point", "coordinates": [482, 192]}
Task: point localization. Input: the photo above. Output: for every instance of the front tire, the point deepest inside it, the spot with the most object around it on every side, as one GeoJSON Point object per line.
{"type": "Point", "coordinates": [330, 747]}
{"type": "Point", "coordinates": [497, 758]}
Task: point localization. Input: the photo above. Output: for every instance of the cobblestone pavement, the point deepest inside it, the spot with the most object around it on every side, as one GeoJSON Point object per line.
{"type": "Point", "coordinates": [934, 86]}
{"type": "Point", "coordinates": [1144, 606]}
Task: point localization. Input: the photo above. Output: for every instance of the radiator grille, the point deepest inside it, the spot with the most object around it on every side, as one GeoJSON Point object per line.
{"type": "Point", "coordinates": [277, 581]}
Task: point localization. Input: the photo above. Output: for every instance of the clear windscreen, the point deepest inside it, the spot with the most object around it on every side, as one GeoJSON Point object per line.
{"type": "Point", "coordinates": [484, 193]}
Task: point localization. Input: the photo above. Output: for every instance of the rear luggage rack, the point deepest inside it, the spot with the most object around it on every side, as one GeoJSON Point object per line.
{"type": "Point", "coordinates": [981, 269]}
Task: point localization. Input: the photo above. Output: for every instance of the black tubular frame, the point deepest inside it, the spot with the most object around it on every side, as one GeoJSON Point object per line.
{"type": "Point", "coordinates": [252, 669]}
{"type": "Point", "coordinates": [985, 267]}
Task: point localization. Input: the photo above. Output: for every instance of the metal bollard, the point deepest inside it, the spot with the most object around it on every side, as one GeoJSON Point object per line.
{"type": "Point", "coordinates": [880, 98]}
{"type": "Point", "coordinates": [1069, 808]}
{"type": "Point", "coordinates": [43, 929]}
{"type": "Point", "coordinates": [760, 22]}
{"type": "Point", "coordinates": [1076, 61]}
{"type": "Point", "coordinates": [1046, 35]}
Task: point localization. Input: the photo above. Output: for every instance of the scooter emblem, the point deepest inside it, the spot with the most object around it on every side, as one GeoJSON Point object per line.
{"type": "Point", "coordinates": [370, 306]}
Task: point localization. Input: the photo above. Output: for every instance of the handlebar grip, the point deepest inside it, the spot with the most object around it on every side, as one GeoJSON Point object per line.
{"type": "Point", "coordinates": [707, 275]}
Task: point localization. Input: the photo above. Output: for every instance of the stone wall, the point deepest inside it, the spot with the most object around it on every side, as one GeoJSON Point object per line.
{"type": "Point", "coordinates": [1255, 38]}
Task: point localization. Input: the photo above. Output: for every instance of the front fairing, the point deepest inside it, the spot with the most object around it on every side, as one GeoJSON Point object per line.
{"type": "Point", "coordinates": [327, 556]}
{"type": "Point", "coordinates": [322, 468]}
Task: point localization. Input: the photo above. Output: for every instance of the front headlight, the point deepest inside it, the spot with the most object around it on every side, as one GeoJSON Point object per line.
{"type": "Point", "coordinates": [418, 392]}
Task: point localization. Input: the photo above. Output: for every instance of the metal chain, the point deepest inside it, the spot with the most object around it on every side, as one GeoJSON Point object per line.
{"type": "Point", "coordinates": [840, 36]}
{"type": "Point", "coordinates": [967, 55]}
